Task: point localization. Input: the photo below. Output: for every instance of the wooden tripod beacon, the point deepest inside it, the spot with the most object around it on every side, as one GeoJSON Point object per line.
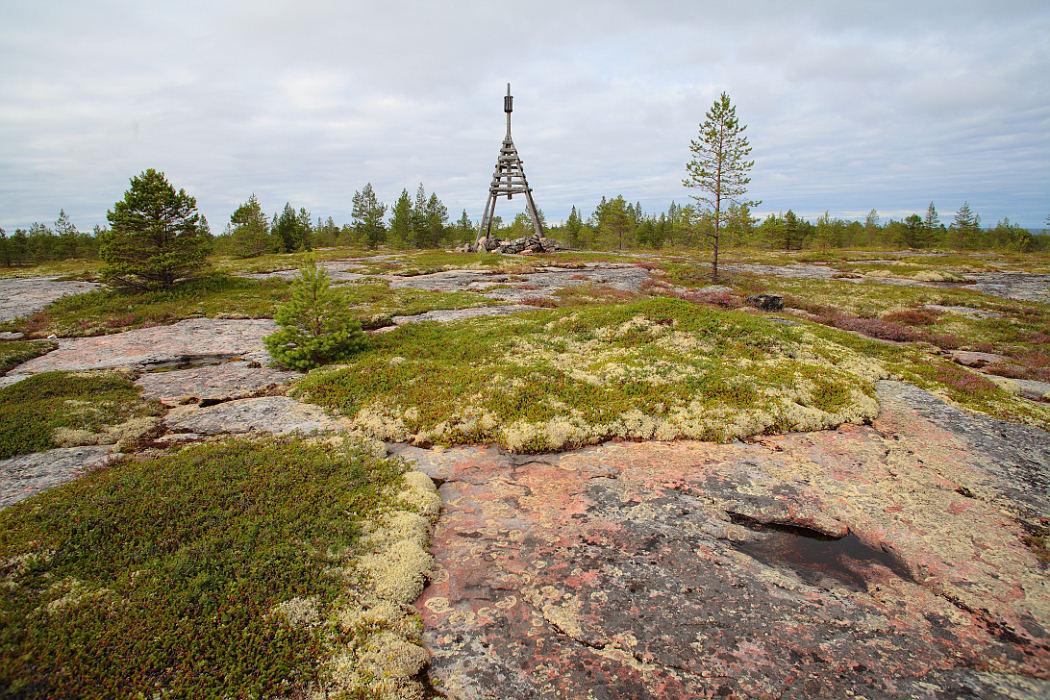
{"type": "Point", "coordinates": [508, 180]}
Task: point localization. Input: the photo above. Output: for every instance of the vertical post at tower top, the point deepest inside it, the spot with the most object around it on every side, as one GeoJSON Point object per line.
{"type": "Point", "coordinates": [507, 181]}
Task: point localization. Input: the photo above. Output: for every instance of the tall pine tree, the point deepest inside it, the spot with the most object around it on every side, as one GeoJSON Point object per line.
{"type": "Point", "coordinates": [720, 168]}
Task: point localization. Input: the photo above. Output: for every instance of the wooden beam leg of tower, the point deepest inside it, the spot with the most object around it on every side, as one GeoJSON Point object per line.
{"type": "Point", "coordinates": [536, 225]}
{"type": "Point", "coordinates": [485, 229]}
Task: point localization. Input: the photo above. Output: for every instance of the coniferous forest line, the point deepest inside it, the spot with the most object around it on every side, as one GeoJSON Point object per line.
{"type": "Point", "coordinates": [422, 221]}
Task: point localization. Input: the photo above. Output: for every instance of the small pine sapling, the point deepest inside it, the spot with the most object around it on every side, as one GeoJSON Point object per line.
{"type": "Point", "coordinates": [315, 328]}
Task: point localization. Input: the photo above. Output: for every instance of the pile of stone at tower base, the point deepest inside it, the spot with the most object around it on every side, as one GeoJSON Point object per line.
{"type": "Point", "coordinates": [519, 246]}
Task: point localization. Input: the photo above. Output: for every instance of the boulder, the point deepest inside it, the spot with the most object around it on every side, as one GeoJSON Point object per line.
{"type": "Point", "coordinates": [766, 302]}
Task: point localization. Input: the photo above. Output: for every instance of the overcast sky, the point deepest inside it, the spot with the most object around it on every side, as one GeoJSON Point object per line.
{"type": "Point", "coordinates": [850, 106]}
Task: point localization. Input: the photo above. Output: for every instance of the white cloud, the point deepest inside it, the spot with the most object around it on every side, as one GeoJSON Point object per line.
{"type": "Point", "coordinates": [850, 106]}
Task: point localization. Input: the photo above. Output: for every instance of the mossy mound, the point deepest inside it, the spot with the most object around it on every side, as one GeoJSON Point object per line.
{"type": "Point", "coordinates": [654, 369]}
{"type": "Point", "coordinates": [239, 568]}
{"type": "Point", "coordinates": [62, 409]}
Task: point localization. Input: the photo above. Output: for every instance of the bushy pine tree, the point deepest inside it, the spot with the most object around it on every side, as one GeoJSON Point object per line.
{"type": "Point", "coordinates": [250, 230]}
{"type": "Point", "coordinates": [368, 214]}
{"type": "Point", "coordinates": [316, 328]}
{"type": "Point", "coordinates": [155, 237]}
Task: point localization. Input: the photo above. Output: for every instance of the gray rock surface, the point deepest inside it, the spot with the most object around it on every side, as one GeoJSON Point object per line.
{"type": "Point", "coordinates": [516, 288]}
{"type": "Point", "coordinates": [1033, 389]}
{"type": "Point", "coordinates": [279, 415]}
{"type": "Point", "coordinates": [338, 271]}
{"type": "Point", "coordinates": [195, 340]}
{"type": "Point", "coordinates": [459, 314]}
{"type": "Point", "coordinates": [964, 311]}
{"type": "Point", "coordinates": [23, 476]}
{"type": "Point", "coordinates": [212, 383]}
{"type": "Point", "coordinates": [21, 296]}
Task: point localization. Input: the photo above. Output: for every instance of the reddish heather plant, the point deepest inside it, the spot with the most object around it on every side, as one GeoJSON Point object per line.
{"type": "Point", "coordinates": [543, 302]}
{"type": "Point", "coordinates": [963, 382]}
{"type": "Point", "coordinates": [724, 300]}
{"type": "Point", "coordinates": [947, 341]}
{"type": "Point", "coordinates": [871, 327]}
{"type": "Point", "coordinates": [1024, 364]}
{"type": "Point", "coordinates": [911, 317]}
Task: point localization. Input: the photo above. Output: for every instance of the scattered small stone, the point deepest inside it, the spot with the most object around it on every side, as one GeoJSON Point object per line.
{"type": "Point", "coordinates": [525, 245]}
{"type": "Point", "coordinates": [766, 302]}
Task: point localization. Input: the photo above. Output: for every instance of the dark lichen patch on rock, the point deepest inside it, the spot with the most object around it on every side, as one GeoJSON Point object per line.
{"type": "Point", "coordinates": [818, 558]}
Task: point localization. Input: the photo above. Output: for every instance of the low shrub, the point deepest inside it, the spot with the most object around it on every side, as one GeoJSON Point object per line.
{"type": "Point", "coordinates": [316, 329]}
{"type": "Point", "coordinates": [911, 317]}
{"type": "Point", "coordinates": [161, 577]}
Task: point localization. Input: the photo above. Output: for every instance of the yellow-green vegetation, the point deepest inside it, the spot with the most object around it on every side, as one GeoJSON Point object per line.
{"type": "Point", "coordinates": [79, 269]}
{"type": "Point", "coordinates": [14, 352]}
{"type": "Point", "coordinates": [284, 261]}
{"type": "Point", "coordinates": [957, 385]}
{"type": "Point", "coordinates": [105, 311]}
{"type": "Point", "coordinates": [228, 569]}
{"type": "Point", "coordinates": [653, 369]}
{"type": "Point", "coordinates": [62, 409]}
{"type": "Point", "coordinates": [112, 310]}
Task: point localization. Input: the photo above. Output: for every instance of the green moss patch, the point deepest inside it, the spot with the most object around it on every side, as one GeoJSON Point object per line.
{"type": "Point", "coordinates": [653, 369]}
{"type": "Point", "coordinates": [198, 574]}
{"type": "Point", "coordinates": [57, 409]}
{"type": "Point", "coordinates": [15, 352]}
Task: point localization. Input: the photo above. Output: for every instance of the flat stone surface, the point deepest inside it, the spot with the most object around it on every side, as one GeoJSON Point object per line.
{"type": "Point", "coordinates": [23, 476]}
{"type": "Point", "coordinates": [1026, 286]}
{"type": "Point", "coordinates": [11, 335]}
{"type": "Point", "coordinates": [636, 570]}
{"type": "Point", "coordinates": [21, 296]}
{"type": "Point", "coordinates": [192, 340]}
{"type": "Point", "coordinates": [459, 314]}
{"type": "Point", "coordinates": [271, 414]}
{"type": "Point", "coordinates": [975, 359]}
{"type": "Point", "coordinates": [517, 288]}
{"type": "Point", "coordinates": [1033, 389]}
{"type": "Point", "coordinates": [212, 383]}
